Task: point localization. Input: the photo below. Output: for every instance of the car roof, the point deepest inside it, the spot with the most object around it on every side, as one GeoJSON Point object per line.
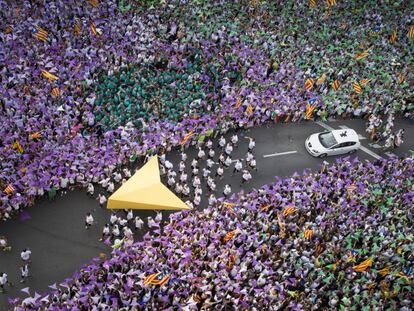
{"type": "Point", "coordinates": [345, 135]}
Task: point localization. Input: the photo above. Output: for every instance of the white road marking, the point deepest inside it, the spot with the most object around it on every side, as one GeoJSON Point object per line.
{"type": "Point", "coordinates": [278, 154]}
{"type": "Point", "coordinates": [359, 135]}
{"type": "Point", "coordinates": [390, 154]}
{"type": "Point", "coordinates": [371, 153]}
{"type": "Point", "coordinates": [326, 126]}
{"type": "Point", "coordinates": [376, 146]}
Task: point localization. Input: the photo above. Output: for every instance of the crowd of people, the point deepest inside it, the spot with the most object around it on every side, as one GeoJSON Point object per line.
{"type": "Point", "coordinates": [87, 86]}
{"type": "Point", "coordinates": [339, 238]}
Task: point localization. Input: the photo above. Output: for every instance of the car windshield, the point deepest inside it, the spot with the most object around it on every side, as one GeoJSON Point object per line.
{"type": "Point", "coordinates": [327, 139]}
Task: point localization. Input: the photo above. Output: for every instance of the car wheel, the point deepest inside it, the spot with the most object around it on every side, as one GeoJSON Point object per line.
{"type": "Point", "coordinates": [323, 155]}
{"type": "Point", "coordinates": [352, 151]}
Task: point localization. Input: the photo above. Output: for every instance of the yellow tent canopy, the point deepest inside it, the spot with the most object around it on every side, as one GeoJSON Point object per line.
{"type": "Point", "coordinates": [145, 191]}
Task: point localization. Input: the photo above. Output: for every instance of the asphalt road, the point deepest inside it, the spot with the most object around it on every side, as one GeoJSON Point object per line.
{"type": "Point", "coordinates": [60, 244]}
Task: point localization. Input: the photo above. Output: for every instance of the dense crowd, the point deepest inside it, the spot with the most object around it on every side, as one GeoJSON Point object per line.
{"type": "Point", "coordinates": [340, 238]}
{"type": "Point", "coordinates": [88, 86]}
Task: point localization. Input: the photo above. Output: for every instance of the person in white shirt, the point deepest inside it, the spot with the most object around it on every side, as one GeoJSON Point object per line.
{"type": "Point", "coordinates": [24, 270]}
{"type": "Point", "coordinates": [212, 186]}
{"type": "Point", "coordinates": [111, 187]}
{"type": "Point", "coordinates": [128, 233]}
{"type": "Point", "coordinates": [222, 158]}
{"type": "Point", "coordinates": [252, 164]}
{"type": "Point", "coordinates": [237, 167]}
{"type": "Point", "coordinates": [127, 173]}
{"type": "Point", "coordinates": [115, 231]}
{"type": "Point", "coordinates": [197, 200]}
{"type": "Point", "coordinates": [201, 154]}
{"type": "Point", "coordinates": [91, 189]}
{"type": "Point", "coordinates": [158, 217]}
{"type": "Point", "coordinates": [168, 165]}
{"type": "Point", "coordinates": [222, 142]}
{"type": "Point", "coordinates": [196, 182]}
{"type": "Point", "coordinates": [219, 172]}
{"type": "Point", "coordinates": [249, 156]}
{"type": "Point", "coordinates": [102, 199]}
{"type": "Point", "coordinates": [229, 149]}
{"type": "Point", "coordinates": [4, 281]}
{"type": "Point", "coordinates": [252, 144]}
{"type": "Point", "coordinates": [189, 204]}
{"type": "Point", "coordinates": [235, 139]}
{"type": "Point", "coordinates": [183, 156]}
{"type": "Point", "coordinates": [3, 244]}
{"type": "Point", "coordinates": [88, 220]}
{"type": "Point", "coordinates": [25, 255]}
{"type": "Point", "coordinates": [106, 232]}
{"type": "Point", "coordinates": [181, 166]}
{"type": "Point", "coordinates": [212, 200]}
{"type": "Point", "coordinates": [209, 144]}
{"type": "Point", "coordinates": [113, 219]}
{"type": "Point", "coordinates": [246, 176]}
{"type": "Point", "coordinates": [117, 177]}
{"type": "Point", "coordinates": [123, 222]}
{"type": "Point", "coordinates": [227, 190]}
{"type": "Point", "coordinates": [206, 173]}
{"type": "Point", "coordinates": [186, 190]}
{"type": "Point", "coordinates": [178, 188]}
{"type": "Point", "coordinates": [130, 215]}
{"type": "Point", "coordinates": [138, 223]}
{"type": "Point", "coordinates": [209, 163]}
{"type": "Point", "coordinates": [211, 153]}
{"type": "Point", "coordinates": [227, 162]}
{"type": "Point", "coordinates": [171, 181]}
{"type": "Point", "coordinates": [64, 182]}
{"type": "Point", "coordinates": [194, 163]}
{"type": "Point", "coordinates": [198, 191]}
{"type": "Point", "coordinates": [183, 177]}
{"type": "Point", "coordinates": [104, 182]}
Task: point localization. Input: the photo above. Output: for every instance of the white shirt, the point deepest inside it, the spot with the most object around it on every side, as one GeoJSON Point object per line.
{"type": "Point", "coordinates": [201, 153]}
{"type": "Point", "coordinates": [117, 177]}
{"type": "Point", "coordinates": [111, 187]}
{"type": "Point", "coordinates": [211, 153]}
{"type": "Point", "coordinates": [253, 163]}
{"type": "Point", "coordinates": [102, 199]}
{"type": "Point", "coordinates": [227, 162]}
{"type": "Point", "coordinates": [229, 149]}
{"type": "Point", "coordinates": [183, 156]}
{"type": "Point", "coordinates": [105, 230]}
{"type": "Point", "coordinates": [220, 171]}
{"type": "Point", "coordinates": [91, 188]}
{"type": "Point", "coordinates": [212, 200]}
{"type": "Point", "coordinates": [168, 164]}
{"type": "Point", "coordinates": [197, 200]}
{"type": "Point", "coordinates": [252, 144]}
{"type": "Point", "coordinates": [183, 177]}
{"type": "Point", "coordinates": [234, 139]}
{"type": "Point", "coordinates": [227, 189]}
{"type": "Point", "coordinates": [25, 255]}
{"type": "Point", "coordinates": [247, 176]}
{"type": "Point", "coordinates": [196, 182]}
{"type": "Point", "coordinates": [3, 279]}
{"type": "Point", "coordinates": [181, 167]}
{"type": "Point", "coordinates": [238, 166]}
{"type": "Point", "coordinates": [138, 223]}
{"type": "Point", "coordinates": [113, 219]}
{"type": "Point", "coordinates": [130, 215]}
{"type": "Point", "coordinates": [210, 163]}
{"type": "Point", "coordinates": [222, 141]}
{"type": "Point", "coordinates": [89, 219]}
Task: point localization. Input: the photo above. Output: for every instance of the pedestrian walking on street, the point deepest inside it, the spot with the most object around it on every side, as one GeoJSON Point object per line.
{"type": "Point", "coordinates": [88, 220]}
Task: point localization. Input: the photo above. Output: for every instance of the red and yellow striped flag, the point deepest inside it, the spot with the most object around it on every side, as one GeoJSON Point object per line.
{"type": "Point", "coordinates": [249, 110]}
{"type": "Point", "coordinates": [384, 271]}
{"type": "Point", "coordinates": [401, 78]}
{"type": "Point", "coordinates": [186, 138]}
{"type": "Point", "coordinates": [393, 37]}
{"type": "Point", "coordinates": [309, 110]}
{"type": "Point", "coordinates": [9, 189]}
{"type": "Point", "coordinates": [309, 84]}
{"type": "Point", "coordinates": [18, 147]}
{"type": "Point", "coordinates": [77, 28]}
{"type": "Point", "coordinates": [49, 76]}
{"type": "Point", "coordinates": [94, 3]}
{"type": "Point", "coordinates": [55, 92]}
{"type": "Point", "coordinates": [362, 55]}
{"type": "Point", "coordinates": [35, 135]}
{"type": "Point", "coordinates": [229, 235]}
{"type": "Point", "coordinates": [410, 33]}
{"type": "Point", "coordinates": [265, 207]}
{"type": "Point", "coordinates": [282, 226]}
{"type": "Point", "coordinates": [238, 103]}
{"type": "Point", "coordinates": [312, 3]}
{"type": "Point", "coordinates": [357, 87]}
{"type": "Point", "coordinates": [230, 206]}
{"type": "Point", "coordinates": [150, 278]}
{"type": "Point", "coordinates": [289, 210]}
{"type": "Point", "coordinates": [336, 84]}
{"type": "Point", "coordinates": [93, 29]}
{"type": "Point", "coordinates": [363, 265]}
{"type": "Point", "coordinates": [41, 34]}
{"type": "Point", "coordinates": [308, 234]}
{"type": "Point", "coordinates": [364, 81]}
{"type": "Point", "coordinates": [330, 3]}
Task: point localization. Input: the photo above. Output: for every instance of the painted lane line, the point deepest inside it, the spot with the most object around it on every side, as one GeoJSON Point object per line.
{"type": "Point", "coordinates": [278, 154]}
{"type": "Point", "coordinates": [325, 126]}
{"type": "Point", "coordinates": [373, 145]}
{"type": "Point", "coordinates": [359, 135]}
{"type": "Point", "coordinates": [371, 153]}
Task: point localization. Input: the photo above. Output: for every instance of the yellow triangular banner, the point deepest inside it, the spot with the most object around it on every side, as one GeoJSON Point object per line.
{"type": "Point", "coordinates": [145, 191]}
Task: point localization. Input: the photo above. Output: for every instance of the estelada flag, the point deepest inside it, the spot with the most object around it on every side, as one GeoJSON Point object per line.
{"type": "Point", "coordinates": [148, 279]}
{"type": "Point", "coordinates": [356, 87]}
{"type": "Point", "coordinates": [40, 34]}
{"type": "Point", "coordinates": [309, 110]}
{"type": "Point", "coordinates": [186, 138]}
{"type": "Point", "coordinates": [364, 81]}
{"type": "Point", "coordinates": [363, 265]}
{"type": "Point", "coordinates": [308, 234]}
{"type": "Point", "coordinates": [18, 147]}
{"type": "Point", "coordinates": [49, 76]}
{"type": "Point", "coordinates": [312, 3]}
{"type": "Point", "coordinates": [93, 29]}
{"type": "Point", "coordinates": [9, 189]}
{"type": "Point", "coordinates": [55, 92]}
{"type": "Point", "coordinates": [410, 33]}
{"type": "Point", "coordinates": [309, 84]}
{"type": "Point", "coordinates": [77, 28]}
{"type": "Point", "coordinates": [160, 279]}
{"type": "Point", "coordinates": [336, 84]}
{"type": "Point", "coordinates": [330, 3]}
{"type": "Point", "coordinates": [238, 103]}
{"type": "Point", "coordinates": [361, 55]}
{"type": "Point", "coordinates": [229, 235]}
{"type": "Point", "coordinates": [94, 3]}
{"type": "Point", "coordinates": [289, 210]}
{"type": "Point", "coordinates": [249, 110]}
{"type": "Point", "coordinates": [393, 37]}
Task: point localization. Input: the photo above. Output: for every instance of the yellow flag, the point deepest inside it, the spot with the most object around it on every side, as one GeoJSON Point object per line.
{"type": "Point", "coordinates": [249, 110]}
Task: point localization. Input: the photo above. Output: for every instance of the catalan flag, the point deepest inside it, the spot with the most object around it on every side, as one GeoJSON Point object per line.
{"type": "Point", "coordinates": [363, 265]}
{"type": "Point", "coordinates": [35, 135]}
{"type": "Point", "coordinates": [156, 279]}
{"type": "Point", "coordinates": [308, 234]}
{"type": "Point", "coordinates": [186, 138]}
{"type": "Point", "coordinates": [401, 78]}
{"type": "Point", "coordinates": [49, 76]}
{"type": "Point", "coordinates": [351, 188]}
{"type": "Point", "coordinates": [384, 271]}
{"type": "Point", "coordinates": [77, 28]}
{"type": "Point", "coordinates": [336, 84]}
{"type": "Point", "coordinates": [330, 3]}
{"type": "Point", "coordinates": [265, 207]}
{"type": "Point", "coordinates": [312, 3]}
{"type": "Point", "coordinates": [93, 29]}
{"type": "Point", "coordinates": [357, 87]}
{"type": "Point", "coordinates": [362, 55]}
{"type": "Point", "coordinates": [249, 110]}
{"type": "Point", "coordinates": [18, 147]}
{"type": "Point", "coordinates": [321, 80]}
{"type": "Point", "coordinates": [289, 210]}
{"type": "Point", "coordinates": [309, 84]}
{"type": "Point", "coordinates": [230, 206]}
{"type": "Point", "coordinates": [309, 110]}
{"type": "Point", "coordinates": [40, 34]}
{"type": "Point", "coordinates": [410, 33]}
{"type": "Point", "coordinates": [364, 81]}
{"type": "Point", "coordinates": [238, 103]}
{"type": "Point", "coordinates": [94, 3]}
{"type": "Point", "coordinates": [9, 29]}
{"type": "Point", "coordinates": [55, 92]}
{"type": "Point", "coordinates": [393, 37]}
{"type": "Point", "coordinates": [229, 235]}
{"type": "Point", "coordinates": [9, 190]}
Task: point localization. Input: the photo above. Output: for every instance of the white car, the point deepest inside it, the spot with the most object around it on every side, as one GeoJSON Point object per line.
{"type": "Point", "coordinates": [332, 143]}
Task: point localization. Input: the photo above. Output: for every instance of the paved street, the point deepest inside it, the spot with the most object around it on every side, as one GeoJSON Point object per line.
{"type": "Point", "coordinates": [60, 244]}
